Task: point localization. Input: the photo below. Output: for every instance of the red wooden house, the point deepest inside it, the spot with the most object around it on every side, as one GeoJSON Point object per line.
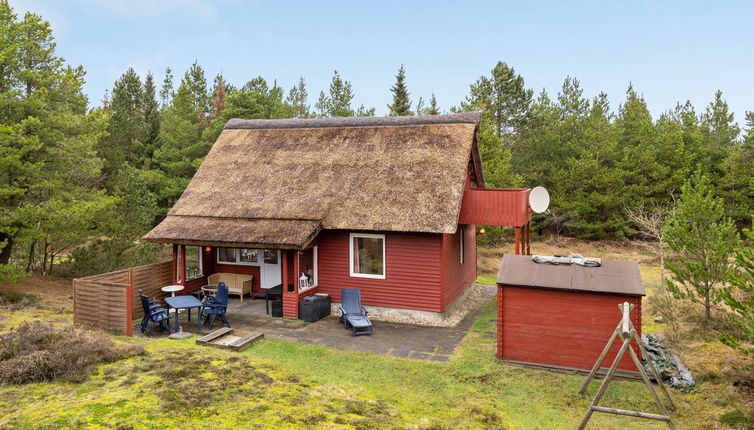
{"type": "Point", "coordinates": [386, 205]}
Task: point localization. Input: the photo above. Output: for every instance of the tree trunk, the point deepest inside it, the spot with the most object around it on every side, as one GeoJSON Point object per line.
{"type": "Point", "coordinates": [6, 251]}
{"type": "Point", "coordinates": [44, 258]}
{"type": "Point", "coordinates": [52, 260]}
{"type": "Point", "coordinates": [30, 261]}
{"type": "Point", "coordinates": [707, 307]}
{"type": "Point", "coordinates": [662, 270]}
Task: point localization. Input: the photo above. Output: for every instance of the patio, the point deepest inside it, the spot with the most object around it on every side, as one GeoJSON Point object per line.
{"type": "Point", "coordinates": [399, 340]}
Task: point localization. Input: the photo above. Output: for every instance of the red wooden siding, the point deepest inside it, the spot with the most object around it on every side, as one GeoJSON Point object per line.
{"type": "Point", "coordinates": [560, 328]}
{"type": "Point", "coordinates": [495, 206]}
{"type": "Point", "coordinates": [456, 277]}
{"type": "Point", "coordinates": [412, 271]}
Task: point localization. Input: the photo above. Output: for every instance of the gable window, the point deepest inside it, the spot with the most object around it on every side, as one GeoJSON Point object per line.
{"type": "Point", "coordinates": [193, 262]}
{"type": "Point", "coordinates": [367, 254]}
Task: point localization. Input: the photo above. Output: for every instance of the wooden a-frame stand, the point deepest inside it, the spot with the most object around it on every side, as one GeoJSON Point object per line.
{"type": "Point", "coordinates": [626, 331]}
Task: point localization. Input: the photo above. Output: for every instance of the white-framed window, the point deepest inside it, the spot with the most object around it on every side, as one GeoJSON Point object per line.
{"type": "Point", "coordinates": [308, 259]}
{"type": "Point", "coordinates": [461, 240]}
{"type": "Point", "coordinates": [241, 256]}
{"type": "Point", "coordinates": [367, 255]}
{"type": "Point", "coordinates": [193, 262]}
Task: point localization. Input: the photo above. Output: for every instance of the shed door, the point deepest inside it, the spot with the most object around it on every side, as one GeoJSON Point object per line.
{"type": "Point", "coordinates": [270, 269]}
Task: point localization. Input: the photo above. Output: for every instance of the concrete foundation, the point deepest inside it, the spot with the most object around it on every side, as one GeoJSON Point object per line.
{"type": "Point", "coordinates": [452, 316]}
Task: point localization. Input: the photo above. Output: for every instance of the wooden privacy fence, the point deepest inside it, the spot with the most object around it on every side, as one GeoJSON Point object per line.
{"type": "Point", "coordinates": [110, 301]}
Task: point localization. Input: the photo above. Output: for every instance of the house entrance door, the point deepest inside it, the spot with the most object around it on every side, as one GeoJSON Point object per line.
{"type": "Point", "coordinates": [270, 269]}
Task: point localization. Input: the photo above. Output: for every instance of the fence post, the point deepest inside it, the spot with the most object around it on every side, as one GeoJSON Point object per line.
{"type": "Point", "coordinates": [130, 302]}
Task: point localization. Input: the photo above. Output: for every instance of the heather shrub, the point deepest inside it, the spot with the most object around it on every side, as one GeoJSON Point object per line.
{"type": "Point", "coordinates": [38, 352]}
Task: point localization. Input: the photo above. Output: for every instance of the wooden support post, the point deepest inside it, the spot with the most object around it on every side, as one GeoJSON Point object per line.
{"type": "Point", "coordinates": [518, 239]}
{"type": "Point", "coordinates": [175, 263]}
{"type": "Point", "coordinates": [627, 332]}
{"type": "Point", "coordinates": [130, 302]}
{"type": "Point", "coordinates": [183, 266]}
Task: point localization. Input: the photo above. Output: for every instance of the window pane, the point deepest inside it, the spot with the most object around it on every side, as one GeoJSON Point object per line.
{"type": "Point", "coordinates": [227, 255]}
{"type": "Point", "coordinates": [367, 256]}
{"type": "Point", "coordinates": [270, 256]}
{"type": "Point", "coordinates": [193, 262]}
{"type": "Point", "coordinates": [248, 255]}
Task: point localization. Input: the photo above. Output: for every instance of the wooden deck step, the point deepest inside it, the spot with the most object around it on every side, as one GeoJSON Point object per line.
{"type": "Point", "coordinates": [214, 335]}
{"type": "Point", "coordinates": [230, 338]}
{"type": "Point", "coordinates": [245, 341]}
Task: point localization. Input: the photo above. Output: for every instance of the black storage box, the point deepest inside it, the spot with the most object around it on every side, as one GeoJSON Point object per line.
{"type": "Point", "coordinates": [277, 308]}
{"type": "Point", "coordinates": [324, 304]}
{"type": "Point", "coordinates": [314, 308]}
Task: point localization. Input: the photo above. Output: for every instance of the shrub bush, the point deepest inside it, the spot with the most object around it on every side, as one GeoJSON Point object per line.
{"type": "Point", "coordinates": [14, 300]}
{"type": "Point", "coordinates": [38, 352]}
{"type": "Point", "coordinates": [103, 256]}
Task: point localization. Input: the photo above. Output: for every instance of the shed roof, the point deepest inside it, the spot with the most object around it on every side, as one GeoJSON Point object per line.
{"type": "Point", "coordinates": [393, 174]}
{"type": "Point", "coordinates": [614, 276]}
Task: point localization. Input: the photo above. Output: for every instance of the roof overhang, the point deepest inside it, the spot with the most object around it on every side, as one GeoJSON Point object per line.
{"type": "Point", "coordinates": [235, 232]}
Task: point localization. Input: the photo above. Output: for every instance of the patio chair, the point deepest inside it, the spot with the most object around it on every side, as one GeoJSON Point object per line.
{"type": "Point", "coordinates": [154, 314]}
{"type": "Point", "coordinates": [215, 306]}
{"type": "Point", "coordinates": [352, 313]}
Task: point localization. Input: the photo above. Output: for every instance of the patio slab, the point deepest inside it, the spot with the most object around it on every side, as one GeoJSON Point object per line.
{"type": "Point", "coordinates": [399, 340]}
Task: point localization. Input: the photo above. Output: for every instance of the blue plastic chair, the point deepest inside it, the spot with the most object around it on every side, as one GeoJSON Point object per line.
{"type": "Point", "coordinates": [216, 306]}
{"type": "Point", "coordinates": [352, 313]}
{"type": "Point", "coordinates": [154, 314]}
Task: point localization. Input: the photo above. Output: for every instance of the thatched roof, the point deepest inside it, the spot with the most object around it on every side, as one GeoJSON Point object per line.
{"type": "Point", "coordinates": [296, 176]}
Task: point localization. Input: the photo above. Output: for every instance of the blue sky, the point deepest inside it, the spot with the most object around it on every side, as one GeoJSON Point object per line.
{"type": "Point", "coordinates": [670, 50]}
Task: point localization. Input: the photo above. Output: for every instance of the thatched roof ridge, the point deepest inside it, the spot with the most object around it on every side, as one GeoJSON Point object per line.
{"type": "Point", "coordinates": [290, 178]}
{"type": "Point", "coordinates": [339, 122]}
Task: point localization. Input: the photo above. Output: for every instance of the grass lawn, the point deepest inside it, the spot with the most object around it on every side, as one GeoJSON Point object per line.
{"type": "Point", "coordinates": [276, 384]}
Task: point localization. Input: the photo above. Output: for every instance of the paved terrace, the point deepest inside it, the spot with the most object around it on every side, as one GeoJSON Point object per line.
{"type": "Point", "coordinates": [399, 340]}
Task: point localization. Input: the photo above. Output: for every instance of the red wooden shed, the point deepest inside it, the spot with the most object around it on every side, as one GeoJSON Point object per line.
{"type": "Point", "coordinates": [562, 316]}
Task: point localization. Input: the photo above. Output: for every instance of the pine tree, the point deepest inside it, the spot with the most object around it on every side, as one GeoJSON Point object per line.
{"type": "Point", "coordinates": [127, 130]}
{"type": "Point", "coordinates": [49, 166]}
{"type": "Point", "coordinates": [166, 92]}
{"type": "Point", "coordinates": [739, 297]}
{"type": "Point", "coordinates": [737, 183]}
{"type": "Point", "coordinates": [338, 102]}
{"type": "Point", "coordinates": [503, 97]}
{"type": "Point", "coordinates": [637, 140]}
{"type": "Point", "coordinates": [432, 109]}
{"type": "Point", "coordinates": [219, 95]}
{"type": "Point", "coordinates": [702, 239]}
{"type": "Point", "coordinates": [254, 100]}
{"type": "Point", "coordinates": [719, 131]}
{"type": "Point", "coordinates": [181, 147]}
{"type": "Point", "coordinates": [364, 111]}
{"type": "Point", "coordinates": [151, 111]}
{"type": "Point", "coordinates": [297, 97]}
{"type": "Point", "coordinates": [401, 105]}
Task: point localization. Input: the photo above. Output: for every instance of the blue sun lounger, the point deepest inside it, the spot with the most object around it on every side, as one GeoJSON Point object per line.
{"type": "Point", "coordinates": [352, 313]}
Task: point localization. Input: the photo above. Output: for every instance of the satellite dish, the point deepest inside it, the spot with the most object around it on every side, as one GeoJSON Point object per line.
{"type": "Point", "coordinates": [539, 199]}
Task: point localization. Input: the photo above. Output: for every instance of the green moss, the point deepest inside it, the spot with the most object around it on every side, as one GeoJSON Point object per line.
{"type": "Point", "coordinates": [487, 278]}
{"type": "Point", "coordinates": [284, 385]}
